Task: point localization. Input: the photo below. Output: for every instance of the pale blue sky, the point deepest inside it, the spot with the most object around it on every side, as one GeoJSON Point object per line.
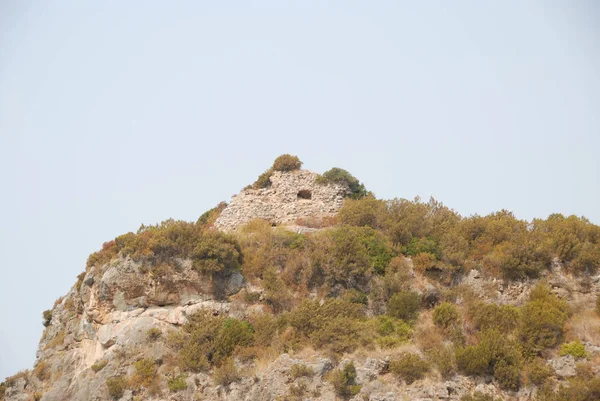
{"type": "Point", "coordinates": [115, 113]}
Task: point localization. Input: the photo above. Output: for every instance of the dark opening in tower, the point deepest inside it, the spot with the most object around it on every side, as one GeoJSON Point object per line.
{"type": "Point", "coordinates": [304, 194]}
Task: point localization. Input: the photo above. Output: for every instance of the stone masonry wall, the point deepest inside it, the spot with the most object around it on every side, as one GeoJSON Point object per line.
{"type": "Point", "coordinates": [292, 196]}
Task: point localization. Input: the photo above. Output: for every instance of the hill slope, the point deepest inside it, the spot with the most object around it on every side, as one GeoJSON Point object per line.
{"type": "Point", "coordinates": [349, 298]}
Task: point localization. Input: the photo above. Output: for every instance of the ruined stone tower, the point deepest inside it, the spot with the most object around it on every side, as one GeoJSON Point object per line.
{"type": "Point", "coordinates": [293, 199]}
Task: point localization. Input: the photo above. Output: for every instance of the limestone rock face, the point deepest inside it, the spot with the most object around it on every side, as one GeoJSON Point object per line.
{"type": "Point", "coordinates": [292, 199]}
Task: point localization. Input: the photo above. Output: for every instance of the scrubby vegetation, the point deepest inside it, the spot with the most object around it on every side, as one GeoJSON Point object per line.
{"type": "Point", "coordinates": [177, 383]}
{"type": "Point", "coordinates": [575, 349]}
{"type": "Point", "coordinates": [47, 315]}
{"type": "Point", "coordinates": [284, 163]}
{"type": "Point", "coordinates": [341, 176]}
{"type": "Point", "coordinates": [409, 367]}
{"type": "Point", "coordinates": [353, 286]}
{"type": "Point", "coordinates": [344, 381]}
{"type": "Point", "coordinates": [116, 386]}
{"type": "Point", "coordinates": [99, 365]}
{"type": "Point", "coordinates": [210, 251]}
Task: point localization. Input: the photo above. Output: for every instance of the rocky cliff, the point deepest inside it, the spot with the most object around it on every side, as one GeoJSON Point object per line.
{"type": "Point", "coordinates": [165, 314]}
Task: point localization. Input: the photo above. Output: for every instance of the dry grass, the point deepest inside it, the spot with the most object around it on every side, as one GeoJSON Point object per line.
{"type": "Point", "coordinates": [57, 340]}
{"type": "Point", "coordinates": [584, 326]}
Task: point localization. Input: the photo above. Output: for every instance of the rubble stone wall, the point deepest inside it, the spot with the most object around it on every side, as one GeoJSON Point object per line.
{"type": "Point", "coordinates": [292, 196]}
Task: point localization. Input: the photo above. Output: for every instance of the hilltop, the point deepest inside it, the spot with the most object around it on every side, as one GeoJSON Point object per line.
{"type": "Point", "coordinates": [305, 286]}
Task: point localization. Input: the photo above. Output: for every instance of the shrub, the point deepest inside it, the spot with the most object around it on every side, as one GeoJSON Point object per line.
{"type": "Point", "coordinates": [47, 315]}
{"type": "Point", "coordinates": [538, 372]}
{"type": "Point", "coordinates": [2, 390]}
{"type": "Point", "coordinates": [542, 321]}
{"type": "Point", "coordinates": [233, 333]}
{"type": "Point", "coordinates": [392, 332]}
{"type": "Point", "coordinates": [365, 212]}
{"type": "Point", "coordinates": [177, 383]}
{"type": "Point", "coordinates": [346, 255]}
{"type": "Point", "coordinates": [263, 180]}
{"type": "Point", "coordinates": [344, 381]}
{"type": "Point", "coordinates": [575, 348]}
{"type": "Point", "coordinates": [341, 176]}
{"type": "Point", "coordinates": [479, 396]}
{"type": "Point", "coordinates": [216, 252]}
{"type": "Point", "coordinates": [495, 354]}
{"type": "Point", "coordinates": [424, 261]}
{"type": "Point", "coordinates": [443, 358]}
{"type": "Point", "coordinates": [598, 304]}
{"type": "Point", "coordinates": [578, 389]}
{"type": "Point", "coordinates": [493, 316]}
{"type": "Point", "coordinates": [210, 339]}
{"type": "Point", "coordinates": [42, 371]}
{"type": "Point", "coordinates": [37, 395]}
{"type": "Point", "coordinates": [226, 374]}
{"type": "Point", "coordinates": [145, 370]}
{"type": "Point", "coordinates": [153, 333]}
{"type": "Point", "coordinates": [116, 386]}
{"type": "Point", "coordinates": [409, 367]}
{"type": "Point", "coordinates": [507, 374]}
{"type": "Point", "coordinates": [99, 365]}
{"type": "Point", "coordinates": [404, 305]}
{"type": "Point", "coordinates": [445, 315]}
{"type": "Point", "coordinates": [301, 370]}
{"type": "Point", "coordinates": [287, 162]}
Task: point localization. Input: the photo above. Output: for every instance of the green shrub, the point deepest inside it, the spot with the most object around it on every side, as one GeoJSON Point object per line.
{"type": "Point", "coordinates": [392, 332]}
{"type": "Point", "coordinates": [479, 396]}
{"type": "Point", "coordinates": [145, 370]}
{"type": "Point", "coordinates": [344, 381]}
{"type": "Point", "coordinates": [507, 374]}
{"type": "Point", "coordinates": [116, 386]}
{"type": "Point", "coordinates": [542, 321]}
{"type": "Point", "coordinates": [493, 316]}
{"type": "Point", "coordinates": [301, 370]}
{"type": "Point", "coordinates": [495, 354]}
{"type": "Point", "coordinates": [211, 252]}
{"type": "Point", "coordinates": [365, 212]}
{"type": "Point", "coordinates": [47, 315]}
{"type": "Point", "coordinates": [177, 383]}
{"type": "Point", "coordinates": [575, 348]}
{"type": "Point", "coordinates": [153, 333]}
{"type": "Point", "coordinates": [578, 389]}
{"type": "Point", "coordinates": [233, 333]}
{"type": "Point", "coordinates": [210, 339]}
{"type": "Point", "coordinates": [443, 358]}
{"type": "Point", "coordinates": [287, 162]}
{"type": "Point", "coordinates": [347, 255]}
{"type": "Point", "coordinates": [409, 367]}
{"type": "Point", "coordinates": [263, 180]}
{"type": "Point", "coordinates": [2, 390]}
{"type": "Point", "coordinates": [538, 372]}
{"type": "Point", "coordinates": [445, 315]}
{"type": "Point", "coordinates": [216, 252]}
{"type": "Point", "coordinates": [404, 305]}
{"type": "Point", "coordinates": [310, 316]}
{"type": "Point", "coordinates": [341, 176]}
{"type": "Point", "coordinates": [99, 365]}
{"type": "Point", "coordinates": [226, 374]}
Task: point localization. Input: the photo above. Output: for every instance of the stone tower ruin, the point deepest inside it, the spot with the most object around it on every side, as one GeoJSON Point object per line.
{"type": "Point", "coordinates": [293, 199]}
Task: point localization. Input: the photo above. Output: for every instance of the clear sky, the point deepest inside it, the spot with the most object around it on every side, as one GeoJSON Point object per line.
{"type": "Point", "coordinates": [116, 113]}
